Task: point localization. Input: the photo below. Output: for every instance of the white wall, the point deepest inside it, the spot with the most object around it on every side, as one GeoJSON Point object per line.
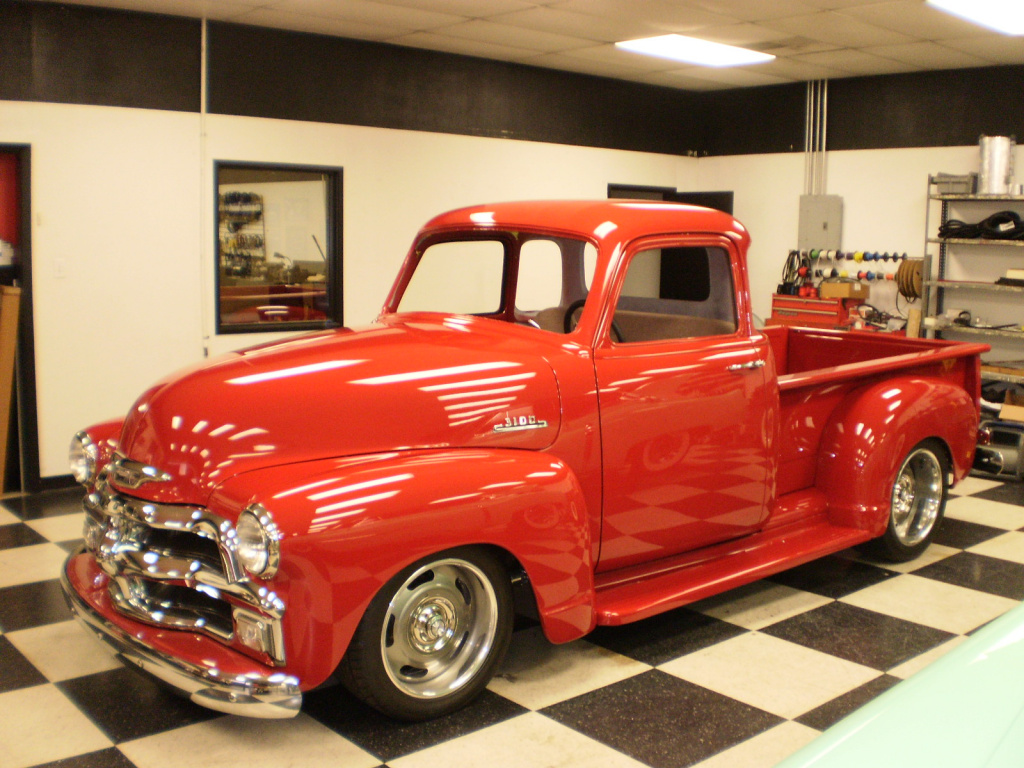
{"type": "Point", "coordinates": [123, 230]}
{"type": "Point", "coordinates": [123, 238]}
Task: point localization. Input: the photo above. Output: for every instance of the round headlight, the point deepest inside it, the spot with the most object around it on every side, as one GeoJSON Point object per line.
{"type": "Point", "coordinates": [83, 457]}
{"type": "Point", "coordinates": [257, 542]}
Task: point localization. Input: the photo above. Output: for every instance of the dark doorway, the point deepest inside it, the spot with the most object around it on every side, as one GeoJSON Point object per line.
{"type": "Point", "coordinates": [721, 201]}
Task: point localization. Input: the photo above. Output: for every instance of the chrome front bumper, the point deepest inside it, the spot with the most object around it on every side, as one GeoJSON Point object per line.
{"type": "Point", "coordinates": [253, 695]}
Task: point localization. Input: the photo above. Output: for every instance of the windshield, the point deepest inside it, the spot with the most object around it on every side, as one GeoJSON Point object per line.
{"type": "Point", "coordinates": [529, 279]}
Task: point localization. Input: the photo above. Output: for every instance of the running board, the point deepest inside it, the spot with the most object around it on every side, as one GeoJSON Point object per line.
{"type": "Point", "coordinates": [671, 583]}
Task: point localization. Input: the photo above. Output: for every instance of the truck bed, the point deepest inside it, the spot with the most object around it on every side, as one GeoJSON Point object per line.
{"type": "Point", "coordinates": [818, 368]}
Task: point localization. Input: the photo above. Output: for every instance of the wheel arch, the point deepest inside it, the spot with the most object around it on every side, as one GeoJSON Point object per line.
{"type": "Point", "coordinates": [873, 430]}
{"type": "Point", "coordinates": [527, 508]}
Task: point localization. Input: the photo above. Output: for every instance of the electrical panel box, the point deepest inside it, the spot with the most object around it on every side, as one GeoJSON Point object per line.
{"type": "Point", "coordinates": [821, 222]}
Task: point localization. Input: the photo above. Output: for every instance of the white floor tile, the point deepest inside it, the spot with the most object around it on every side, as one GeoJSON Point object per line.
{"type": "Point", "coordinates": [7, 517]}
{"type": "Point", "coordinates": [62, 528]}
{"type": "Point", "coordinates": [24, 565]}
{"type": "Point", "coordinates": [760, 604]}
{"type": "Point", "coordinates": [974, 485]}
{"type": "Point", "coordinates": [39, 725]}
{"type": "Point", "coordinates": [63, 651]}
{"type": "Point", "coordinates": [932, 603]}
{"type": "Point", "coordinates": [985, 512]}
{"type": "Point", "coordinates": [912, 666]}
{"type": "Point", "coordinates": [764, 750]}
{"type": "Point", "coordinates": [537, 674]}
{"type": "Point", "coordinates": [1009, 546]}
{"type": "Point", "coordinates": [772, 674]}
{"type": "Point", "coordinates": [528, 741]}
{"type": "Point", "coordinates": [229, 742]}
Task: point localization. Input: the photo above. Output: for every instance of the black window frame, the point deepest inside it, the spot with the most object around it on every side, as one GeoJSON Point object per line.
{"type": "Point", "coordinates": [333, 249]}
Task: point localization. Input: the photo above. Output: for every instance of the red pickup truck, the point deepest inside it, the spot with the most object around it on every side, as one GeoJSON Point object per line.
{"type": "Point", "coordinates": [563, 406]}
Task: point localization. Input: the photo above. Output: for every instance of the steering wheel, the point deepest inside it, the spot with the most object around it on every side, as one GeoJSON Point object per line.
{"type": "Point", "coordinates": [571, 321]}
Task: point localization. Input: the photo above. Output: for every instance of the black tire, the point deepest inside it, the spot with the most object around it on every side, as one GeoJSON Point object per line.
{"type": "Point", "coordinates": [917, 503]}
{"type": "Point", "coordinates": [433, 636]}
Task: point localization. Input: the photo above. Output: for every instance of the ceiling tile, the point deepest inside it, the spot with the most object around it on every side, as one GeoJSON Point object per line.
{"type": "Point", "coordinates": [437, 42]}
{"type": "Point", "coordinates": [629, 61]}
{"type": "Point", "coordinates": [758, 37]}
{"type": "Point", "coordinates": [999, 49]}
{"type": "Point", "coordinates": [838, 29]}
{"type": "Point", "coordinates": [912, 18]}
{"type": "Point", "coordinates": [928, 55]}
{"type": "Point", "coordinates": [516, 37]}
{"type": "Point", "coordinates": [754, 10]}
{"type": "Point", "coordinates": [661, 15]}
{"type": "Point", "coordinates": [211, 9]}
{"type": "Point", "coordinates": [800, 70]}
{"type": "Point", "coordinates": [471, 9]}
{"type": "Point", "coordinates": [855, 62]}
{"type": "Point", "coordinates": [581, 25]}
{"type": "Point", "coordinates": [304, 22]}
{"type": "Point", "coordinates": [367, 12]}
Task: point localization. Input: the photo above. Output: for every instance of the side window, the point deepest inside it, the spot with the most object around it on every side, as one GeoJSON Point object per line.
{"type": "Point", "coordinates": [676, 293]}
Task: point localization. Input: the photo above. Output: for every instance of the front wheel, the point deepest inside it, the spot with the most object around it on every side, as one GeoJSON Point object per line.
{"type": "Point", "coordinates": [433, 636]}
{"type": "Point", "coordinates": [917, 503]}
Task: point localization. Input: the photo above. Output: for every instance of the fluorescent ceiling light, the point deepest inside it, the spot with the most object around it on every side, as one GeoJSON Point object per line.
{"type": "Point", "coordinates": [1005, 16]}
{"type": "Point", "coordinates": [695, 51]}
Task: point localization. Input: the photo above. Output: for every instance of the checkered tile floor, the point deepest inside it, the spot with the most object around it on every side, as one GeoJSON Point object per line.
{"type": "Point", "coordinates": [743, 679]}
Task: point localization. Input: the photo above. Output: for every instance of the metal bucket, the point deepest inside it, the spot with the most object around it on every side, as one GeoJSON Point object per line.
{"type": "Point", "coordinates": [996, 175]}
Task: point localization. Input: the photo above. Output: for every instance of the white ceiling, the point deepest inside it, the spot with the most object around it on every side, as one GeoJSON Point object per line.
{"type": "Point", "coordinates": [812, 39]}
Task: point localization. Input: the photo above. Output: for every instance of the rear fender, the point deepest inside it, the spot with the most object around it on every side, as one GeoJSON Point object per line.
{"type": "Point", "coordinates": [350, 525]}
{"type": "Point", "coordinates": [874, 429]}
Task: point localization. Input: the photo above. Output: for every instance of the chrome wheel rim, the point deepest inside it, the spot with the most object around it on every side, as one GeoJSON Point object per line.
{"type": "Point", "coordinates": [439, 628]}
{"type": "Point", "coordinates": [917, 497]}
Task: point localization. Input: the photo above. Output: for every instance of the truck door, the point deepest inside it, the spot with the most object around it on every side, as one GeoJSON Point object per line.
{"type": "Point", "coordinates": [684, 404]}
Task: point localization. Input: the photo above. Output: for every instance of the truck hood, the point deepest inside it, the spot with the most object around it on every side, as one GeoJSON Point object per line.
{"type": "Point", "coordinates": [413, 383]}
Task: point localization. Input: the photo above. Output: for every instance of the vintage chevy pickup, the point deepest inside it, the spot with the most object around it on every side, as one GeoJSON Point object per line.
{"type": "Point", "coordinates": [563, 407]}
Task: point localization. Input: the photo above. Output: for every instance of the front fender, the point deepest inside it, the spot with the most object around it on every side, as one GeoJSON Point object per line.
{"type": "Point", "coordinates": [349, 525]}
{"type": "Point", "coordinates": [873, 430]}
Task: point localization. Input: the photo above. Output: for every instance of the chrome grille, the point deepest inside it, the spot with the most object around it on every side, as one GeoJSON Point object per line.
{"type": "Point", "coordinates": [174, 566]}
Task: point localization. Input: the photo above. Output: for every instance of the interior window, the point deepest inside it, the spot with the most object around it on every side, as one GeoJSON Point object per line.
{"type": "Point", "coordinates": [554, 275]}
{"type": "Point", "coordinates": [461, 277]}
{"type": "Point", "coordinates": [676, 293]}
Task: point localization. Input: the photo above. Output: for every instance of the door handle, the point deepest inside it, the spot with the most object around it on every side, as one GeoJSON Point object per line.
{"type": "Point", "coordinates": [751, 366]}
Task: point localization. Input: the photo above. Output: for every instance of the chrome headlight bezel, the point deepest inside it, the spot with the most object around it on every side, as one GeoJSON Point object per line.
{"type": "Point", "coordinates": [83, 458]}
{"type": "Point", "coordinates": [257, 542]}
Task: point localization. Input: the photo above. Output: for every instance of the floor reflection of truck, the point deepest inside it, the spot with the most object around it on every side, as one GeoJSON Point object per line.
{"type": "Point", "coordinates": [562, 404]}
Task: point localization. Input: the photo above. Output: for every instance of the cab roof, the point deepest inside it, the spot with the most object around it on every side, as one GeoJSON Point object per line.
{"type": "Point", "coordinates": [616, 220]}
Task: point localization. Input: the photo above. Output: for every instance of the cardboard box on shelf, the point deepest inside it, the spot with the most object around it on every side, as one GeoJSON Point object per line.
{"type": "Point", "coordinates": [845, 290]}
{"type": "Point", "coordinates": [1013, 408]}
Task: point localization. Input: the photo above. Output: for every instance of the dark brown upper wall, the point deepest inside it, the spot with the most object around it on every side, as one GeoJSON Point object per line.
{"type": "Point", "coordinates": [81, 55]}
{"type": "Point", "coordinates": [264, 72]}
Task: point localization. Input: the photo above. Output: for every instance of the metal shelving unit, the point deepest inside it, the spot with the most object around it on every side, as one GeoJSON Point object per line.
{"type": "Point", "coordinates": [937, 282]}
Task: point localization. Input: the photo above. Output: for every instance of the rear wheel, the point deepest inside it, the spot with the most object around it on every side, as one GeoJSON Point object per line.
{"type": "Point", "coordinates": [917, 503]}
{"type": "Point", "coordinates": [432, 637]}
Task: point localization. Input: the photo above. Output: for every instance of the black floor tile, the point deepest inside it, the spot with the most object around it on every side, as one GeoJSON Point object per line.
{"type": "Point", "coordinates": [831, 713]}
{"type": "Point", "coordinates": [125, 705]}
{"type": "Point", "coordinates": [66, 501]}
{"type": "Point", "coordinates": [662, 720]}
{"type": "Point", "coordinates": [833, 576]}
{"type": "Point", "coordinates": [858, 635]}
{"type": "Point", "coordinates": [962, 534]}
{"type": "Point", "coordinates": [986, 574]}
{"type": "Point", "coordinates": [663, 638]}
{"type": "Point", "coordinates": [1008, 493]}
{"type": "Point", "coordinates": [15, 670]}
{"type": "Point", "coordinates": [105, 758]}
{"type": "Point", "coordinates": [32, 605]}
{"type": "Point", "coordinates": [19, 535]}
{"type": "Point", "coordinates": [389, 739]}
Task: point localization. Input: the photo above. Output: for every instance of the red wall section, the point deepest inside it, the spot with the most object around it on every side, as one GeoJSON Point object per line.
{"type": "Point", "coordinates": [9, 198]}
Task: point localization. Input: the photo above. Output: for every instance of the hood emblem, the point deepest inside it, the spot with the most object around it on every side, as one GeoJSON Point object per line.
{"type": "Point", "coordinates": [520, 423]}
